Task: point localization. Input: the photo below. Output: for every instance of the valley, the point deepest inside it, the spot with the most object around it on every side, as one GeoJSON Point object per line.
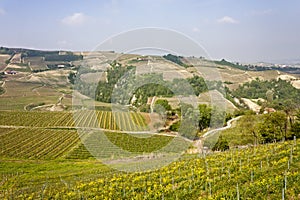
{"type": "Point", "coordinates": [107, 125]}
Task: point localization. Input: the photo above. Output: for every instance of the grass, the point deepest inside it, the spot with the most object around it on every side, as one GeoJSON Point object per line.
{"type": "Point", "coordinates": [30, 176]}
{"type": "Point", "coordinates": [254, 173]}
{"type": "Point", "coordinates": [239, 134]}
{"type": "Point", "coordinates": [19, 94]}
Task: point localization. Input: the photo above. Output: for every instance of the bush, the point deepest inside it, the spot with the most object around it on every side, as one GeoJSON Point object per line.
{"type": "Point", "coordinates": [221, 145]}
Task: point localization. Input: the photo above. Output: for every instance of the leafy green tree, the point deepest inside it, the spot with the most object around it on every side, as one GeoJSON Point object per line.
{"type": "Point", "coordinates": [273, 127]}
{"type": "Point", "coordinates": [204, 116]}
{"type": "Point", "coordinates": [295, 127]}
{"type": "Point", "coordinates": [162, 104]}
{"type": "Point", "coordinates": [175, 126]}
{"type": "Point", "coordinates": [221, 145]}
{"type": "Point", "coordinates": [279, 93]}
{"type": "Point", "coordinates": [250, 126]}
{"type": "Point", "coordinates": [72, 77]}
{"type": "Point", "coordinates": [198, 84]}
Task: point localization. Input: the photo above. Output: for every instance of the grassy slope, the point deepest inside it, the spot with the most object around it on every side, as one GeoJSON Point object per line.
{"type": "Point", "coordinates": [238, 134]}
{"type": "Point", "coordinates": [258, 173]}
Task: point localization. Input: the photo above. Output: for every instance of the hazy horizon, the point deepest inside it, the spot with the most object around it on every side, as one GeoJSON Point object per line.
{"type": "Point", "coordinates": [241, 31]}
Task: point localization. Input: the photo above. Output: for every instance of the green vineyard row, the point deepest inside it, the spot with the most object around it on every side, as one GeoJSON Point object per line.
{"type": "Point", "coordinates": [122, 121]}
{"type": "Point", "coordinates": [46, 143]}
{"type": "Point", "coordinates": [263, 172]}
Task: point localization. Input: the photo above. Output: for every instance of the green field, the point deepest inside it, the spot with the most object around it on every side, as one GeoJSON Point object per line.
{"type": "Point", "coordinates": [40, 159]}
{"type": "Point", "coordinates": [124, 121]}
{"type": "Point", "coordinates": [254, 173]}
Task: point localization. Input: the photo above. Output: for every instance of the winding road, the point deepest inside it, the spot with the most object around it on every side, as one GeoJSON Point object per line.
{"type": "Point", "coordinates": [228, 125]}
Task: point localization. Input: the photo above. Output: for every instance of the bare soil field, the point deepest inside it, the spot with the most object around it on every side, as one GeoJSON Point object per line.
{"type": "Point", "coordinates": [36, 63]}
{"type": "Point", "coordinates": [51, 77]}
{"type": "Point", "coordinates": [215, 98]}
{"type": "Point", "coordinates": [16, 58]}
{"type": "Point", "coordinates": [3, 59]}
{"type": "Point", "coordinates": [296, 84]}
{"type": "Point", "coordinates": [169, 69]}
{"type": "Point", "coordinates": [251, 105]}
{"type": "Point", "coordinates": [93, 77]}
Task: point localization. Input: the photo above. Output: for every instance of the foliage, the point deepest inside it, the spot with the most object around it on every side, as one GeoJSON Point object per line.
{"type": "Point", "coordinates": [162, 105]}
{"type": "Point", "coordinates": [279, 93]}
{"type": "Point", "coordinates": [150, 90]}
{"type": "Point", "coordinates": [175, 126]}
{"type": "Point", "coordinates": [295, 127]}
{"type": "Point", "coordinates": [145, 108]}
{"type": "Point", "coordinates": [262, 172]}
{"type": "Point", "coordinates": [176, 59]}
{"type": "Point", "coordinates": [67, 57]}
{"type": "Point", "coordinates": [2, 90]}
{"type": "Point", "coordinates": [221, 145]}
{"type": "Point", "coordinates": [104, 90]}
{"type": "Point", "coordinates": [272, 128]}
{"type": "Point", "coordinates": [226, 63]}
{"type": "Point", "coordinates": [198, 83]}
{"type": "Point", "coordinates": [205, 113]}
{"type": "Point", "coordinates": [243, 131]}
{"type": "Point", "coordinates": [71, 77]}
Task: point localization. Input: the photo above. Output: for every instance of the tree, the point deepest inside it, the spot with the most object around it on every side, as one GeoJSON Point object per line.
{"type": "Point", "coordinates": [162, 104]}
{"type": "Point", "coordinates": [249, 126]}
{"type": "Point", "coordinates": [221, 145]}
{"type": "Point", "coordinates": [295, 127]}
{"type": "Point", "coordinates": [273, 127]}
{"type": "Point", "coordinates": [204, 116]}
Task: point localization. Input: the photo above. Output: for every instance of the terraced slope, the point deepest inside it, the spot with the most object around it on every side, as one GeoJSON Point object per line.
{"type": "Point", "coordinates": [124, 121]}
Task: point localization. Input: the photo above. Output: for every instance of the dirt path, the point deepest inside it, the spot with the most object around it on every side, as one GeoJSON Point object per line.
{"type": "Point", "coordinates": [198, 144]}
{"type": "Point", "coordinates": [3, 84]}
{"type": "Point", "coordinates": [152, 104]}
{"type": "Point", "coordinates": [228, 125]}
{"type": "Point", "coordinates": [88, 128]}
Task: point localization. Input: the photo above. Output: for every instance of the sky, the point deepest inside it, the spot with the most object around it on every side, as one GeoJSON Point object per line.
{"type": "Point", "coordinates": [237, 30]}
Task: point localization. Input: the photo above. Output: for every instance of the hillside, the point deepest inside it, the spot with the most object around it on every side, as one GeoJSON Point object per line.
{"type": "Point", "coordinates": [264, 171]}
{"type": "Point", "coordinates": [108, 125]}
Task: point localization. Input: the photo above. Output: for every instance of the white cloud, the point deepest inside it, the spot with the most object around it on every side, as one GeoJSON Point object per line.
{"type": "Point", "coordinates": [227, 20]}
{"type": "Point", "coordinates": [2, 11]}
{"type": "Point", "coordinates": [75, 19]}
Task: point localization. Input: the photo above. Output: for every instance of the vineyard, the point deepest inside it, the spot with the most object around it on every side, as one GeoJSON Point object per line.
{"type": "Point", "coordinates": [37, 143]}
{"type": "Point", "coordinates": [262, 172]}
{"type": "Point", "coordinates": [131, 144]}
{"type": "Point", "coordinates": [51, 155]}
{"type": "Point", "coordinates": [122, 121]}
